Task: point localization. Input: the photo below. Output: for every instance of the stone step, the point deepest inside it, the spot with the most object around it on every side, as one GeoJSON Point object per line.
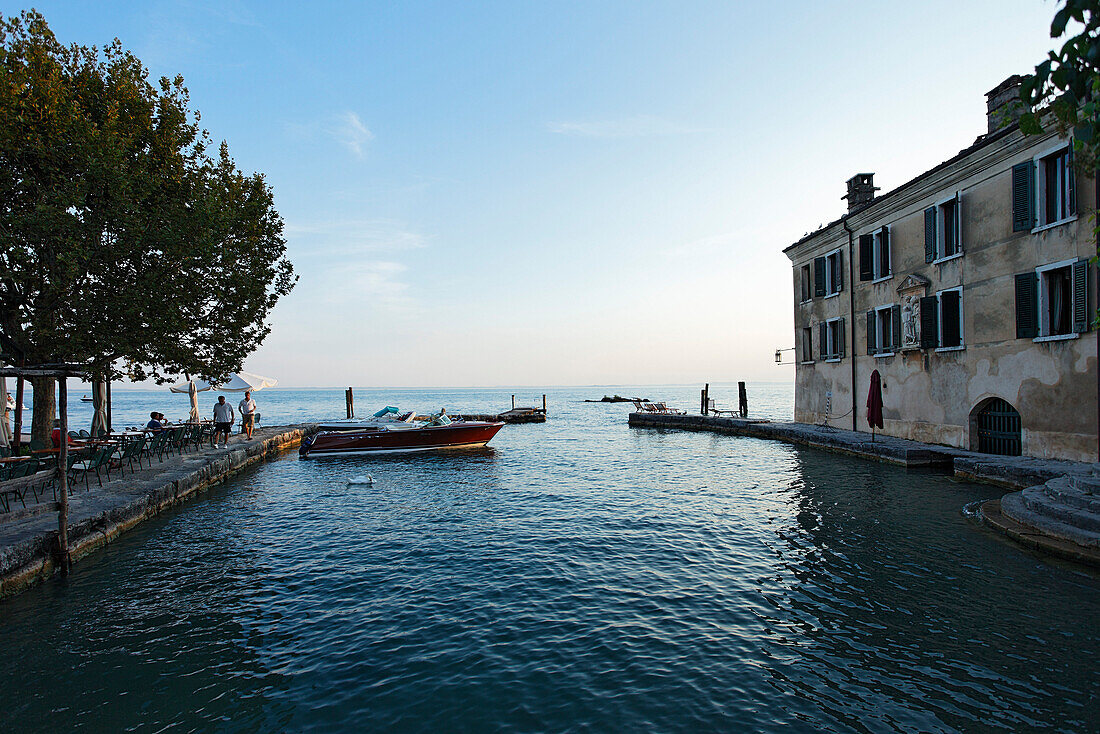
{"type": "Point", "coordinates": [1067, 491]}
{"type": "Point", "coordinates": [1014, 506]}
{"type": "Point", "coordinates": [1039, 501]}
{"type": "Point", "coordinates": [1070, 491]}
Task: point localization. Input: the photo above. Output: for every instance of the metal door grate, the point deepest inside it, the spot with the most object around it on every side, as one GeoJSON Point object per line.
{"type": "Point", "coordinates": [999, 429]}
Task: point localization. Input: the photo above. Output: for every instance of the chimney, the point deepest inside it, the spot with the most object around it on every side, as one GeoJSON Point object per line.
{"type": "Point", "coordinates": [1003, 105]}
{"type": "Point", "coordinates": [861, 191]}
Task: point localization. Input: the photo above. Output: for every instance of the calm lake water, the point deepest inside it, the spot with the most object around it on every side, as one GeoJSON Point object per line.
{"type": "Point", "coordinates": [576, 575]}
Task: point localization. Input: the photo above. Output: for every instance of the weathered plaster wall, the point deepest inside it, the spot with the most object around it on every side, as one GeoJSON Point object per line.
{"type": "Point", "coordinates": [929, 395]}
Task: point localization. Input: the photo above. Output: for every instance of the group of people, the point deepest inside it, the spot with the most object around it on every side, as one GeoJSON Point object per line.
{"type": "Point", "coordinates": [224, 417]}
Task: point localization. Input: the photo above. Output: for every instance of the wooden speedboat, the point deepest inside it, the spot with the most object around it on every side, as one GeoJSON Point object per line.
{"type": "Point", "coordinates": [400, 437]}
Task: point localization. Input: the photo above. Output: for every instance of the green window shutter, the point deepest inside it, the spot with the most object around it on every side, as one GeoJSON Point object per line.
{"type": "Point", "coordinates": [884, 235]}
{"type": "Point", "coordinates": [871, 348]}
{"type": "Point", "coordinates": [929, 322]}
{"type": "Point", "coordinates": [930, 234]}
{"type": "Point", "coordinates": [819, 277]}
{"type": "Point", "coordinates": [838, 275]}
{"type": "Point", "coordinates": [1023, 196]}
{"type": "Point", "coordinates": [840, 339]}
{"type": "Point", "coordinates": [1071, 180]}
{"type": "Point", "coordinates": [823, 331]}
{"type": "Point", "coordinates": [1027, 311]}
{"type": "Point", "coordinates": [866, 257]}
{"type": "Point", "coordinates": [958, 222]}
{"type": "Point", "coordinates": [1081, 296]}
{"type": "Point", "coordinates": [895, 332]}
{"type": "Point", "coordinates": [951, 323]}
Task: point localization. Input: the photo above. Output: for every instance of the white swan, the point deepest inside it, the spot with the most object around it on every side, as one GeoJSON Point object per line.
{"type": "Point", "coordinates": [364, 479]}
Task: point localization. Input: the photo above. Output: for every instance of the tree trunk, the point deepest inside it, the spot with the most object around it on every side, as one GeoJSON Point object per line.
{"type": "Point", "coordinates": [43, 410]}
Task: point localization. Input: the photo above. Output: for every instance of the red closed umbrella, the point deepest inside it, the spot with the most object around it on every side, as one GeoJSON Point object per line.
{"type": "Point", "coordinates": [874, 403]}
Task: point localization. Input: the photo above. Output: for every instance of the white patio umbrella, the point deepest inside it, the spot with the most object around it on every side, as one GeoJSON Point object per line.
{"type": "Point", "coordinates": [238, 382]}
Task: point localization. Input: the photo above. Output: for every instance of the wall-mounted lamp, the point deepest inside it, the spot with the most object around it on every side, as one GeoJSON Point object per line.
{"type": "Point", "coordinates": [779, 355]}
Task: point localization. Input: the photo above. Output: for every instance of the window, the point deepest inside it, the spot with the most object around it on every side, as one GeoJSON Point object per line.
{"type": "Point", "coordinates": [874, 255]}
{"type": "Point", "coordinates": [884, 330]}
{"type": "Point", "coordinates": [943, 229]}
{"type": "Point", "coordinates": [1056, 195]}
{"type": "Point", "coordinates": [1052, 302]}
{"type": "Point", "coordinates": [941, 320]}
{"type": "Point", "coordinates": [829, 274]}
{"type": "Point", "coordinates": [807, 353]}
{"type": "Point", "coordinates": [831, 339]}
{"type": "Point", "coordinates": [806, 283]}
{"type": "Point", "coordinates": [1044, 190]}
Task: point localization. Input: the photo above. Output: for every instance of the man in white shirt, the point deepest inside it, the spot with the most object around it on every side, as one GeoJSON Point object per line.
{"type": "Point", "coordinates": [223, 419]}
{"type": "Point", "coordinates": [248, 412]}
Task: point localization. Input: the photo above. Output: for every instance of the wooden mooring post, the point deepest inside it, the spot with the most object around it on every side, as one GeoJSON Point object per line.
{"type": "Point", "coordinates": [544, 402]}
{"type": "Point", "coordinates": [704, 399]}
{"type": "Point", "coordinates": [513, 402]}
{"type": "Point", "coordinates": [349, 403]}
{"type": "Point", "coordinates": [742, 400]}
{"type": "Point", "coordinates": [63, 475]}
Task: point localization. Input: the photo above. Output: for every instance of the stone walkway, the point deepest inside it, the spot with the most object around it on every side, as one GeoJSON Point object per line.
{"type": "Point", "coordinates": [28, 537]}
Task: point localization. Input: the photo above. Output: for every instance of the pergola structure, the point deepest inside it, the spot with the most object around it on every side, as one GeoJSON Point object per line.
{"type": "Point", "coordinates": [60, 372]}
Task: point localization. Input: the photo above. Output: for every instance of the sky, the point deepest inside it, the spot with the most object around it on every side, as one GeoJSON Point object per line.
{"type": "Point", "coordinates": [562, 193]}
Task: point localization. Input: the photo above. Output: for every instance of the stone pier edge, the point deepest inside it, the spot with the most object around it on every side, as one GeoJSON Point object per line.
{"type": "Point", "coordinates": [36, 559]}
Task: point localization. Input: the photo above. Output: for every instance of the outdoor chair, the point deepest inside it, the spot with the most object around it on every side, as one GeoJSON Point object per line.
{"type": "Point", "coordinates": [84, 434]}
{"type": "Point", "coordinates": [100, 459]}
{"type": "Point", "coordinates": [130, 451]}
{"type": "Point", "coordinates": [662, 408]}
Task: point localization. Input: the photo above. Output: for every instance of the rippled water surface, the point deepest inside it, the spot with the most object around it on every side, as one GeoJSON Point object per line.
{"type": "Point", "coordinates": [577, 575]}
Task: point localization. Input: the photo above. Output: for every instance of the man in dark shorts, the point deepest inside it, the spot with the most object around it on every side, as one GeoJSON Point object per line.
{"type": "Point", "coordinates": [248, 413]}
{"type": "Point", "coordinates": [223, 419]}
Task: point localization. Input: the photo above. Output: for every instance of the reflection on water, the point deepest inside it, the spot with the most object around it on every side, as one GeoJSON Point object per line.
{"type": "Point", "coordinates": [575, 575]}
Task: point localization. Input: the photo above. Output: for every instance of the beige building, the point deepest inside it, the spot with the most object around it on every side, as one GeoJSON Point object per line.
{"type": "Point", "coordinates": [970, 290]}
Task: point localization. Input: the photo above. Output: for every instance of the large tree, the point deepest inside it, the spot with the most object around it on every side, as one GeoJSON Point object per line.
{"type": "Point", "coordinates": [1064, 91]}
{"type": "Point", "coordinates": [126, 244]}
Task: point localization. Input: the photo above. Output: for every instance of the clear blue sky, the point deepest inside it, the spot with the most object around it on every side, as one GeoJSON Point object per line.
{"type": "Point", "coordinates": [564, 192]}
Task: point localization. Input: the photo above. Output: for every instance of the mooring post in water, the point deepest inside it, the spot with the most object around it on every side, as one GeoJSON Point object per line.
{"type": "Point", "coordinates": [513, 402]}
{"type": "Point", "coordinates": [544, 402]}
{"type": "Point", "coordinates": [742, 400]}
{"type": "Point", "coordinates": [63, 475]}
{"type": "Point", "coordinates": [349, 403]}
{"type": "Point", "coordinates": [705, 408]}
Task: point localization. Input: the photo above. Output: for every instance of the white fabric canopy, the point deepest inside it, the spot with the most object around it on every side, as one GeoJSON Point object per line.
{"type": "Point", "coordinates": [238, 382]}
{"type": "Point", "coordinates": [99, 403]}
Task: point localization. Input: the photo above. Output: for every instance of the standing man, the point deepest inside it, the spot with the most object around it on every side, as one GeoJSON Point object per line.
{"type": "Point", "coordinates": [248, 412]}
{"type": "Point", "coordinates": [223, 419]}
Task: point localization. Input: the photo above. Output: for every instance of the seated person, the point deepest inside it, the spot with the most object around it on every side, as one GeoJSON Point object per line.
{"type": "Point", "coordinates": [154, 425]}
{"type": "Point", "coordinates": [55, 436]}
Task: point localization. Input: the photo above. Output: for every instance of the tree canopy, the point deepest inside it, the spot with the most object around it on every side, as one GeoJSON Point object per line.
{"type": "Point", "coordinates": [127, 241]}
{"type": "Point", "coordinates": [1064, 91]}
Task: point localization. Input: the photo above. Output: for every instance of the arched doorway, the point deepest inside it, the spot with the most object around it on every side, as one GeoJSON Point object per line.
{"type": "Point", "coordinates": [995, 428]}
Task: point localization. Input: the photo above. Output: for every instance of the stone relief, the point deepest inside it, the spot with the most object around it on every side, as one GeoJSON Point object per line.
{"type": "Point", "coordinates": [910, 323]}
{"type": "Point", "coordinates": [910, 292]}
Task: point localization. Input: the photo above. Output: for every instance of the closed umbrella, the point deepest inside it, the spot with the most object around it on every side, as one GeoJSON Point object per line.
{"type": "Point", "coordinates": [192, 388]}
{"type": "Point", "coordinates": [99, 403]}
{"type": "Point", "coordinates": [874, 403]}
{"type": "Point", "coordinates": [5, 429]}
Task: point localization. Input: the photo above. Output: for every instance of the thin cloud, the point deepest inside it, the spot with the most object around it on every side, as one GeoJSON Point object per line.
{"type": "Point", "coordinates": [346, 128]}
{"type": "Point", "coordinates": [352, 237]}
{"type": "Point", "coordinates": [375, 285]}
{"type": "Point", "coordinates": [640, 126]}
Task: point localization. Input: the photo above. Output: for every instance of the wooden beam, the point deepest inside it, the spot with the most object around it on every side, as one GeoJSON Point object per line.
{"type": "Point", "coordinates": [63, 471]}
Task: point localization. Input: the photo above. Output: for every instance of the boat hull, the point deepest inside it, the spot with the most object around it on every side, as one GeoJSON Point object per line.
{"type": "Point", "coordinates": [385, 440]}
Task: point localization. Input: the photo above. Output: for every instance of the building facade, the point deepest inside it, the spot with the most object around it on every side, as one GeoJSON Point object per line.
{"type": "Point", "coordinates": [970, 290]}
